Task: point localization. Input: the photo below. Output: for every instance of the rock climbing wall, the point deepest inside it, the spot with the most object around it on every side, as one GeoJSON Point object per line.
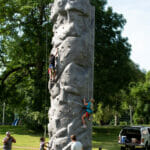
{"type": "Point", "coordinates": [73, 28]}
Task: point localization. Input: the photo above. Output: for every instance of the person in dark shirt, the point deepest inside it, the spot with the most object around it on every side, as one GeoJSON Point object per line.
{"type": "Point", "coordinates": [43, 145]}
{"type": "Point", "coordinates": [8, 140]}
{"type": "Point", "coordinates": [51, 69]}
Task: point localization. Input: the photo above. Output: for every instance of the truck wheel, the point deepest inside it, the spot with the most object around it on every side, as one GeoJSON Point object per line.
{"type": "Point", "coordinates": [122, 148]}
{"type": "Point", "coordinates": [146, 147]}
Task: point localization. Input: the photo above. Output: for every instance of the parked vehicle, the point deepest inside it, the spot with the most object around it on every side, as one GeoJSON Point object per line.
{"type": "Point", "coordinates": [134, 137]}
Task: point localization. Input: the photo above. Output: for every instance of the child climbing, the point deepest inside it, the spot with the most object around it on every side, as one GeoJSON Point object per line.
{"type": "Point", "coordinates": [42, 143]}
{"type": "Point", "coordinates": [88, 110]}
{"type": "Point", "coordinates": [51, 69]}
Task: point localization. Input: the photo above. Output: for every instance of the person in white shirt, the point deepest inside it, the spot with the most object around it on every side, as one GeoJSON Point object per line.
{"type": "Point", "coordinates": [76, 145]}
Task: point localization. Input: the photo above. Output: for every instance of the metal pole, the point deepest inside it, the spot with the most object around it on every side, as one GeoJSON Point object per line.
{"type": "Point", "coordinates": [3, 119]}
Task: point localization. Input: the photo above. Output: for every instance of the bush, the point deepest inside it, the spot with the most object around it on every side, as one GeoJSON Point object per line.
{"type": "Point", "coordinates": [35, 120]}
{"type": "Point", "coordinates": [123, 123]}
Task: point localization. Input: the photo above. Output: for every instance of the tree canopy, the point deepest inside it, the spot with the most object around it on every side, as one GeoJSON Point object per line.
{"type": "Point", "coordinates": [24, 48]}
{"type": "Point", "coordinates": [25, 44]}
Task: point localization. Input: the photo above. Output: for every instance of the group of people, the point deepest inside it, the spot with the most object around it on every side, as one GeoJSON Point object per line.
{"type": "Point", "coordinates": [76, 145]}
{"type": "Point", "coordinates": [88, 110]}
{"type": "Point", "coordinates": [8, 140]}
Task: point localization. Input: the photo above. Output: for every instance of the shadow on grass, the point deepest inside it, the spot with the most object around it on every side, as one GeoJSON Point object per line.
{"type": "Point", "coordinates": [20, 130]}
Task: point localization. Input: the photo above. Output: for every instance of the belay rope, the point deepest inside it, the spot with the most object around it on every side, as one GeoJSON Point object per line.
{"type": "Point", "coordinates": [46, 93]}
{"type": "Point", "coordinates": [90, 84]}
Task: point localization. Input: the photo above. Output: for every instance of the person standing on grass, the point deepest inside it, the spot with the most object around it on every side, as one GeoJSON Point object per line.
{"type": "Point", "coordinates": [75, 145]}
{"type": "Point", "coordinates": [7, 141]}
{"type": "Point", "coordinates": [43, 145]}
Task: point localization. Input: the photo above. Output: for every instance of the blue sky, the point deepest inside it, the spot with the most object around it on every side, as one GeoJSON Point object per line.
{"type": "Point", "coordinates": [137, 28]}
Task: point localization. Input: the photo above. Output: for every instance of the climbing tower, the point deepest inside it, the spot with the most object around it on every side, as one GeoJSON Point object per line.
{"type": "Point", "coordinates": [73, 28]}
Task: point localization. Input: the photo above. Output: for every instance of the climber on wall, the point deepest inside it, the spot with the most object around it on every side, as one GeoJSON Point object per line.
{"type": "Point", "coordinates": [88, 110]}
{"type": "Point", "coordinates": [52, 69]}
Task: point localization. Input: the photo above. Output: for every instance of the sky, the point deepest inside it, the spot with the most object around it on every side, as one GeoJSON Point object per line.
{"type": "Point", "coordinates": [137, 28]}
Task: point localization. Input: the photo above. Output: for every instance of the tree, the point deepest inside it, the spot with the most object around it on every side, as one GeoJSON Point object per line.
{"type": "Point", "coordinates": [103, 115]}
{"type": "Point", "coordinates": [113, 68]}
{"type": "Point", "coordinates": [25, 30]}
{"type": "Point", "coordinates": [112, 52]}
{"type": "Point", "coordinates": [141, 95]}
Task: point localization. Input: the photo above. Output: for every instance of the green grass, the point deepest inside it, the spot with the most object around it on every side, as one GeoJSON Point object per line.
{"type": "Point", "coordinates": [23, 136]}
{"type": "Point", "coordinates": [106, 137]}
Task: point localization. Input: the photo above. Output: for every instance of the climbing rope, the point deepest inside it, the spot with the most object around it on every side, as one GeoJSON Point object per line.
{"type": "Point", "coordinates": [46, 94]}
{"type": "Point", "coordinates": [92, 21]}
{"type": "Point", "coordinates": [90, 94]}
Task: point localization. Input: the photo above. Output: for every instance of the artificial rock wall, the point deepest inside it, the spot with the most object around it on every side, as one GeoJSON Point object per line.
{"type": "Point", "coordinates": [73, 28]}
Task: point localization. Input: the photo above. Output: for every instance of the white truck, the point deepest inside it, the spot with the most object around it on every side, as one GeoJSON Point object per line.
{"type": "Point", "coordinates": [134, 137]}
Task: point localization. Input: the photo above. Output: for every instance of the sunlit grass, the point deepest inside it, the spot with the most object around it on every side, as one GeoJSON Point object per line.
{"type": "Point", "coordinates": [24, 137]}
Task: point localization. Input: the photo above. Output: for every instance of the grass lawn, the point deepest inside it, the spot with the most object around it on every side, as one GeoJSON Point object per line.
{"type": "Point", "coordinates": [106, 137]}
{"type": "Point", "coordinates": [24, 137]}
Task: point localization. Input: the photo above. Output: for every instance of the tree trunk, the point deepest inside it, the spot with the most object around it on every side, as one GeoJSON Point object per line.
{"type": "Point", "coordinates": [3, 119]}
{"type": "Point", "coordinates": [131, 118]}
{"type": "Point", "coordinates": [74, 38]}
{"type": "Point", "coordinates": [116, 119]}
